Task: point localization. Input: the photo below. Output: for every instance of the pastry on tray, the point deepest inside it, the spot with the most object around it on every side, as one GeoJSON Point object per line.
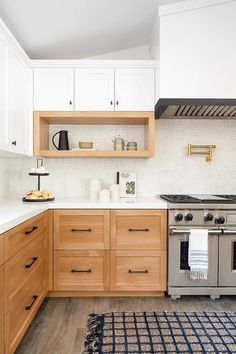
{"type": "Point", "coordinates": [35, 195]}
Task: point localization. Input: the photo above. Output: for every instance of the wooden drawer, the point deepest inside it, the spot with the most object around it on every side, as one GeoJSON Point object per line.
{"type": "Point", "coordinates": [24, 305]}
{"type": "Point", "coordinates": [1, 286]}
{"type": "Point", "coordinates": [138, 271]}
{"type": "Point", "coordinates": [138, 229]}
{"type": "Point", "coordinates": [20, 236]}
{"type": "Point", "coordinates": [81, 270]}
{"type": "Point", "coordinates": [22, 265]}
{"type": "Point", "coordinates": [81, 229]}
{"type": "Point", "coordinates": [2, 248]}
{"type": "Point", "coordinates": [2, 332]}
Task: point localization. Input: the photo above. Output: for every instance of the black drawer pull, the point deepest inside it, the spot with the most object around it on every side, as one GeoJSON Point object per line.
{"type": "Point", "coordinates": [14, 142]}
{"type": "Point", "coordinates": [81, 270]}
{"type": "Point", "coordinates": [132, 230]}
{"type": "Point", "coordinates": [81, 230]}
{"type": "Point", "coordinates": [34, 259]}
{"type": "Point", "coordinates": [32, 230]}
{"type": "Point", "coordinates": [138, 271]}
{"type": "Point", "coordinates": [34, 297]}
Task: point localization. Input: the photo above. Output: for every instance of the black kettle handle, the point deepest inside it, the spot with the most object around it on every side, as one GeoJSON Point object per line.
{"type": "Point", "coordinates": [53, 140]}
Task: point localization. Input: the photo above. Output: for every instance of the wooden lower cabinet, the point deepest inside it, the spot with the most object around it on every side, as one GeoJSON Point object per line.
{"type": "Point", "coordinates": [2, 333]}
{"type": "Point", "coordinates": [22, 265]}
{"type": "Point", "coordinates": [138, 271]}
{"type": "Point", "coordinates": [24, 305]}
{"type": "Point", "coordinates": [20, 236]}
{"type": "Point", "coordinates": [81, 270]}
{"type": "Point", "coordinates": [81, 229]}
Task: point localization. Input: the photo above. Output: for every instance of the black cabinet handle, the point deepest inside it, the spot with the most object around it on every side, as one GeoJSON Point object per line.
{"type": "Point", "coordinates": [81, 270]}
{"type": "Point", "coordinates": [34, 259]}
{"type": "Point", "coordinates": [138, 271]}
{"type": "Point", "coordinates": [133, 230]}
{"type": "Point", "coordinates": [14, 142]}
{"type": "Point", "coordinates": [111, 103]}
{"type": "Point", "coordinates": [32, 230]}
{"type": "Point", "coordinates": [117, 103]}
{"type": "Point", "coordinates": [81, 230]}
{"type": "Point", "coordinates": [28, 307]}
{"type": "Point", "coordinates": [70, 102]}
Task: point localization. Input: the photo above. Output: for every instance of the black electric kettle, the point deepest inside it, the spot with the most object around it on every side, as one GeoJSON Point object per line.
{"type": "Point", "coordinates": [63, 143]}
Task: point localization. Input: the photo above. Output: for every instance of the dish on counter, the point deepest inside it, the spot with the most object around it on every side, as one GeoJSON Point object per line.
{"type": "Point", "coordinates": [38, 196]}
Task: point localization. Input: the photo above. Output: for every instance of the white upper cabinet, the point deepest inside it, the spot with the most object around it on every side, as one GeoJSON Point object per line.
{"type": "Point", "coordinates": [18, 103]}
{"type": "Point", "coordinates": [94, 89]}
{"type": "Point", "coordinates": [3, 96]}
{"type": "Point", "coordinates": [53, 89]}
{"type": "Point", "coordinates": [134, 89]}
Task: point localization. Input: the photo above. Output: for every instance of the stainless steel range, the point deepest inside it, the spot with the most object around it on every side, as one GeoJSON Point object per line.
{"type": "Point", "coordinates": [217, 214]}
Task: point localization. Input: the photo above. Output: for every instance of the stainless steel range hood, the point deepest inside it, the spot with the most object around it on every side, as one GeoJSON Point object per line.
{"type": "Point", "coordinates": [194, 108]}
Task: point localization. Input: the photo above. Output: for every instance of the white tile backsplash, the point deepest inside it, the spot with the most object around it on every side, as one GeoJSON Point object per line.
{"type": "Point", "coordinates": [170, 171]}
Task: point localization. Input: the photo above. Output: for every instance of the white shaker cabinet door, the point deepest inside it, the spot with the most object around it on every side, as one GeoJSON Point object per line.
{"type": "Point", "coordinates": [3, 97]}
{"type": "Point", "coordinates": [18, 103]}
{"type": "Point", "coordinates": [53, 89]}
{"type": "Point", "coordinates": [94, 89]}
{"type": "Point", "coordinates": [134, 89]}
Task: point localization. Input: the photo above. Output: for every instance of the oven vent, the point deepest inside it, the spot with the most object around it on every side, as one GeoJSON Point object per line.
{"type": "Point", "coordinates": [195, 109]}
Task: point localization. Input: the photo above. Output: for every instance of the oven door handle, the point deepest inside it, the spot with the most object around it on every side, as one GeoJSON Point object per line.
{"type": "Point", "coordinates": [210, 232]}
{"type": "Point", "coordinates": [228, 232]}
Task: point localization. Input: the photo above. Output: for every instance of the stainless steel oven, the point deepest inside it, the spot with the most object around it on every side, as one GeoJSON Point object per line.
{"type": "Point", "coordinates": [178, 258]}
{"type": "Point", "coordinates": [220, 221]}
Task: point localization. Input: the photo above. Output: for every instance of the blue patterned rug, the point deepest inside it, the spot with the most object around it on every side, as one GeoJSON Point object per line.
{"type": "Point", "coordinates": [161, 332]}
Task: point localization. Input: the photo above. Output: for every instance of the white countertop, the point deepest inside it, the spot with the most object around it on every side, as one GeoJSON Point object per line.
{"type": "Point", "coordinates": [13, 211]}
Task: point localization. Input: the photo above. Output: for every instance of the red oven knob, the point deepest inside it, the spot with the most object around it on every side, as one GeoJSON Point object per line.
{"type": "Point", "coordinates": [208, 217]}
{"type": "Point", "coordinates": [189, 217]}
{"type": "Point", "coordinates": [219, 220]}
{"type": "Point", "coordinates": [179, 217]}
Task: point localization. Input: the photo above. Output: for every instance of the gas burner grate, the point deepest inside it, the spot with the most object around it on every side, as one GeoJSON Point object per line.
{"type": "Point", "coordinates": [180, 198]}
{"type": "Point", "coordinates": [227, 196]}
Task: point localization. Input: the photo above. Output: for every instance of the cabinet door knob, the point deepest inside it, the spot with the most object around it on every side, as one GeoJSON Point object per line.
{"type": "Point", "coordinates": [28, 232]}
{"type": "Point", "coordinates": [14, 142]}
{"type": "Point", "coordinates": [111, 103]}
{"type": "Point", "coordinates": [70, 102]}
{"type": "Point", "coordinates": [34, 259]}
{"type": "Point", "coordinates": [34, 298]}
{"type": "Point", "coordinates": [117, 103]}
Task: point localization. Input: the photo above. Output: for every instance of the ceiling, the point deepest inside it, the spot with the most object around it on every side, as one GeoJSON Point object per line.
{"type": "Point", "coordinates": [75, 29]}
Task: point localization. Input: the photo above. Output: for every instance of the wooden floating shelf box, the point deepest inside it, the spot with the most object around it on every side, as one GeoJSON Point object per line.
{"type": "Point", "coordinates": [42, 121]}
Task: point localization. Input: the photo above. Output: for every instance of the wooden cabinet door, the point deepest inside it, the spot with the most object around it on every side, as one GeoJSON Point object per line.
{"type": "Point", "coordinates": [138, 271]}
{"type": "Point", "coordinates": [18, 100]}
{"type": "Point", "coordinates": [2, 336]}
{"type": "Point", "coordinates": [138, 229]}
{"type": "Point", "coordinates": [81, 229]}
{"type": "Point", "coordinates": [53, 89]}
{"type": "Point", "coordinates": [94, 89]}
{"type": "Point", "coordinates": [134, 89]}
{"type": "Point", "coordinates": [24, 305]}
{"type": "Point", "coordinates": [3, 96]}
{"type": "Point", "coordinates": [81, 270]}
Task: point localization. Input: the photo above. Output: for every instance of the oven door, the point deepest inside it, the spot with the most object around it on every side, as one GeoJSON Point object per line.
{"type": "Point", "coordinates": [178, 259]}
{"type": "Point", "coordinates": [227, 258]}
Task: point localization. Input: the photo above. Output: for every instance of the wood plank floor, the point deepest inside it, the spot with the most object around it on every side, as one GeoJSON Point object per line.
{"type": "Point", "coordinates": [60, 324]}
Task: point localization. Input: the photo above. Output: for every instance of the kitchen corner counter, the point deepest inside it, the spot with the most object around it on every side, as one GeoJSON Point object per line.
{"type": "Point", "coordinates": [13, 211]}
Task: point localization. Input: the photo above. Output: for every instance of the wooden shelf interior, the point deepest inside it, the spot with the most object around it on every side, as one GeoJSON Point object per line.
{"type": "Point", "coordinates": [44, 120]}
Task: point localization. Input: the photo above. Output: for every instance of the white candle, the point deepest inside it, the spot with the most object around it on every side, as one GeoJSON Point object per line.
{"type": "Point", "coordinates": [94, 187]}
{"type": "Point", "coordinates": [104, 195]}
{"type": "Point", "coordinates": [115, 191]}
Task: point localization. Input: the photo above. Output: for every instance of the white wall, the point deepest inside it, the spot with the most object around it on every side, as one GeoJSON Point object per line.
{"type": "Point", "coordinates": [170, 171]}
{"type": "Point", "coordinates": [135, 53]}
{"type": "Point", "coordinates": [4, 176]}
{"type": "Point", "coordinates": [198, 49]}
